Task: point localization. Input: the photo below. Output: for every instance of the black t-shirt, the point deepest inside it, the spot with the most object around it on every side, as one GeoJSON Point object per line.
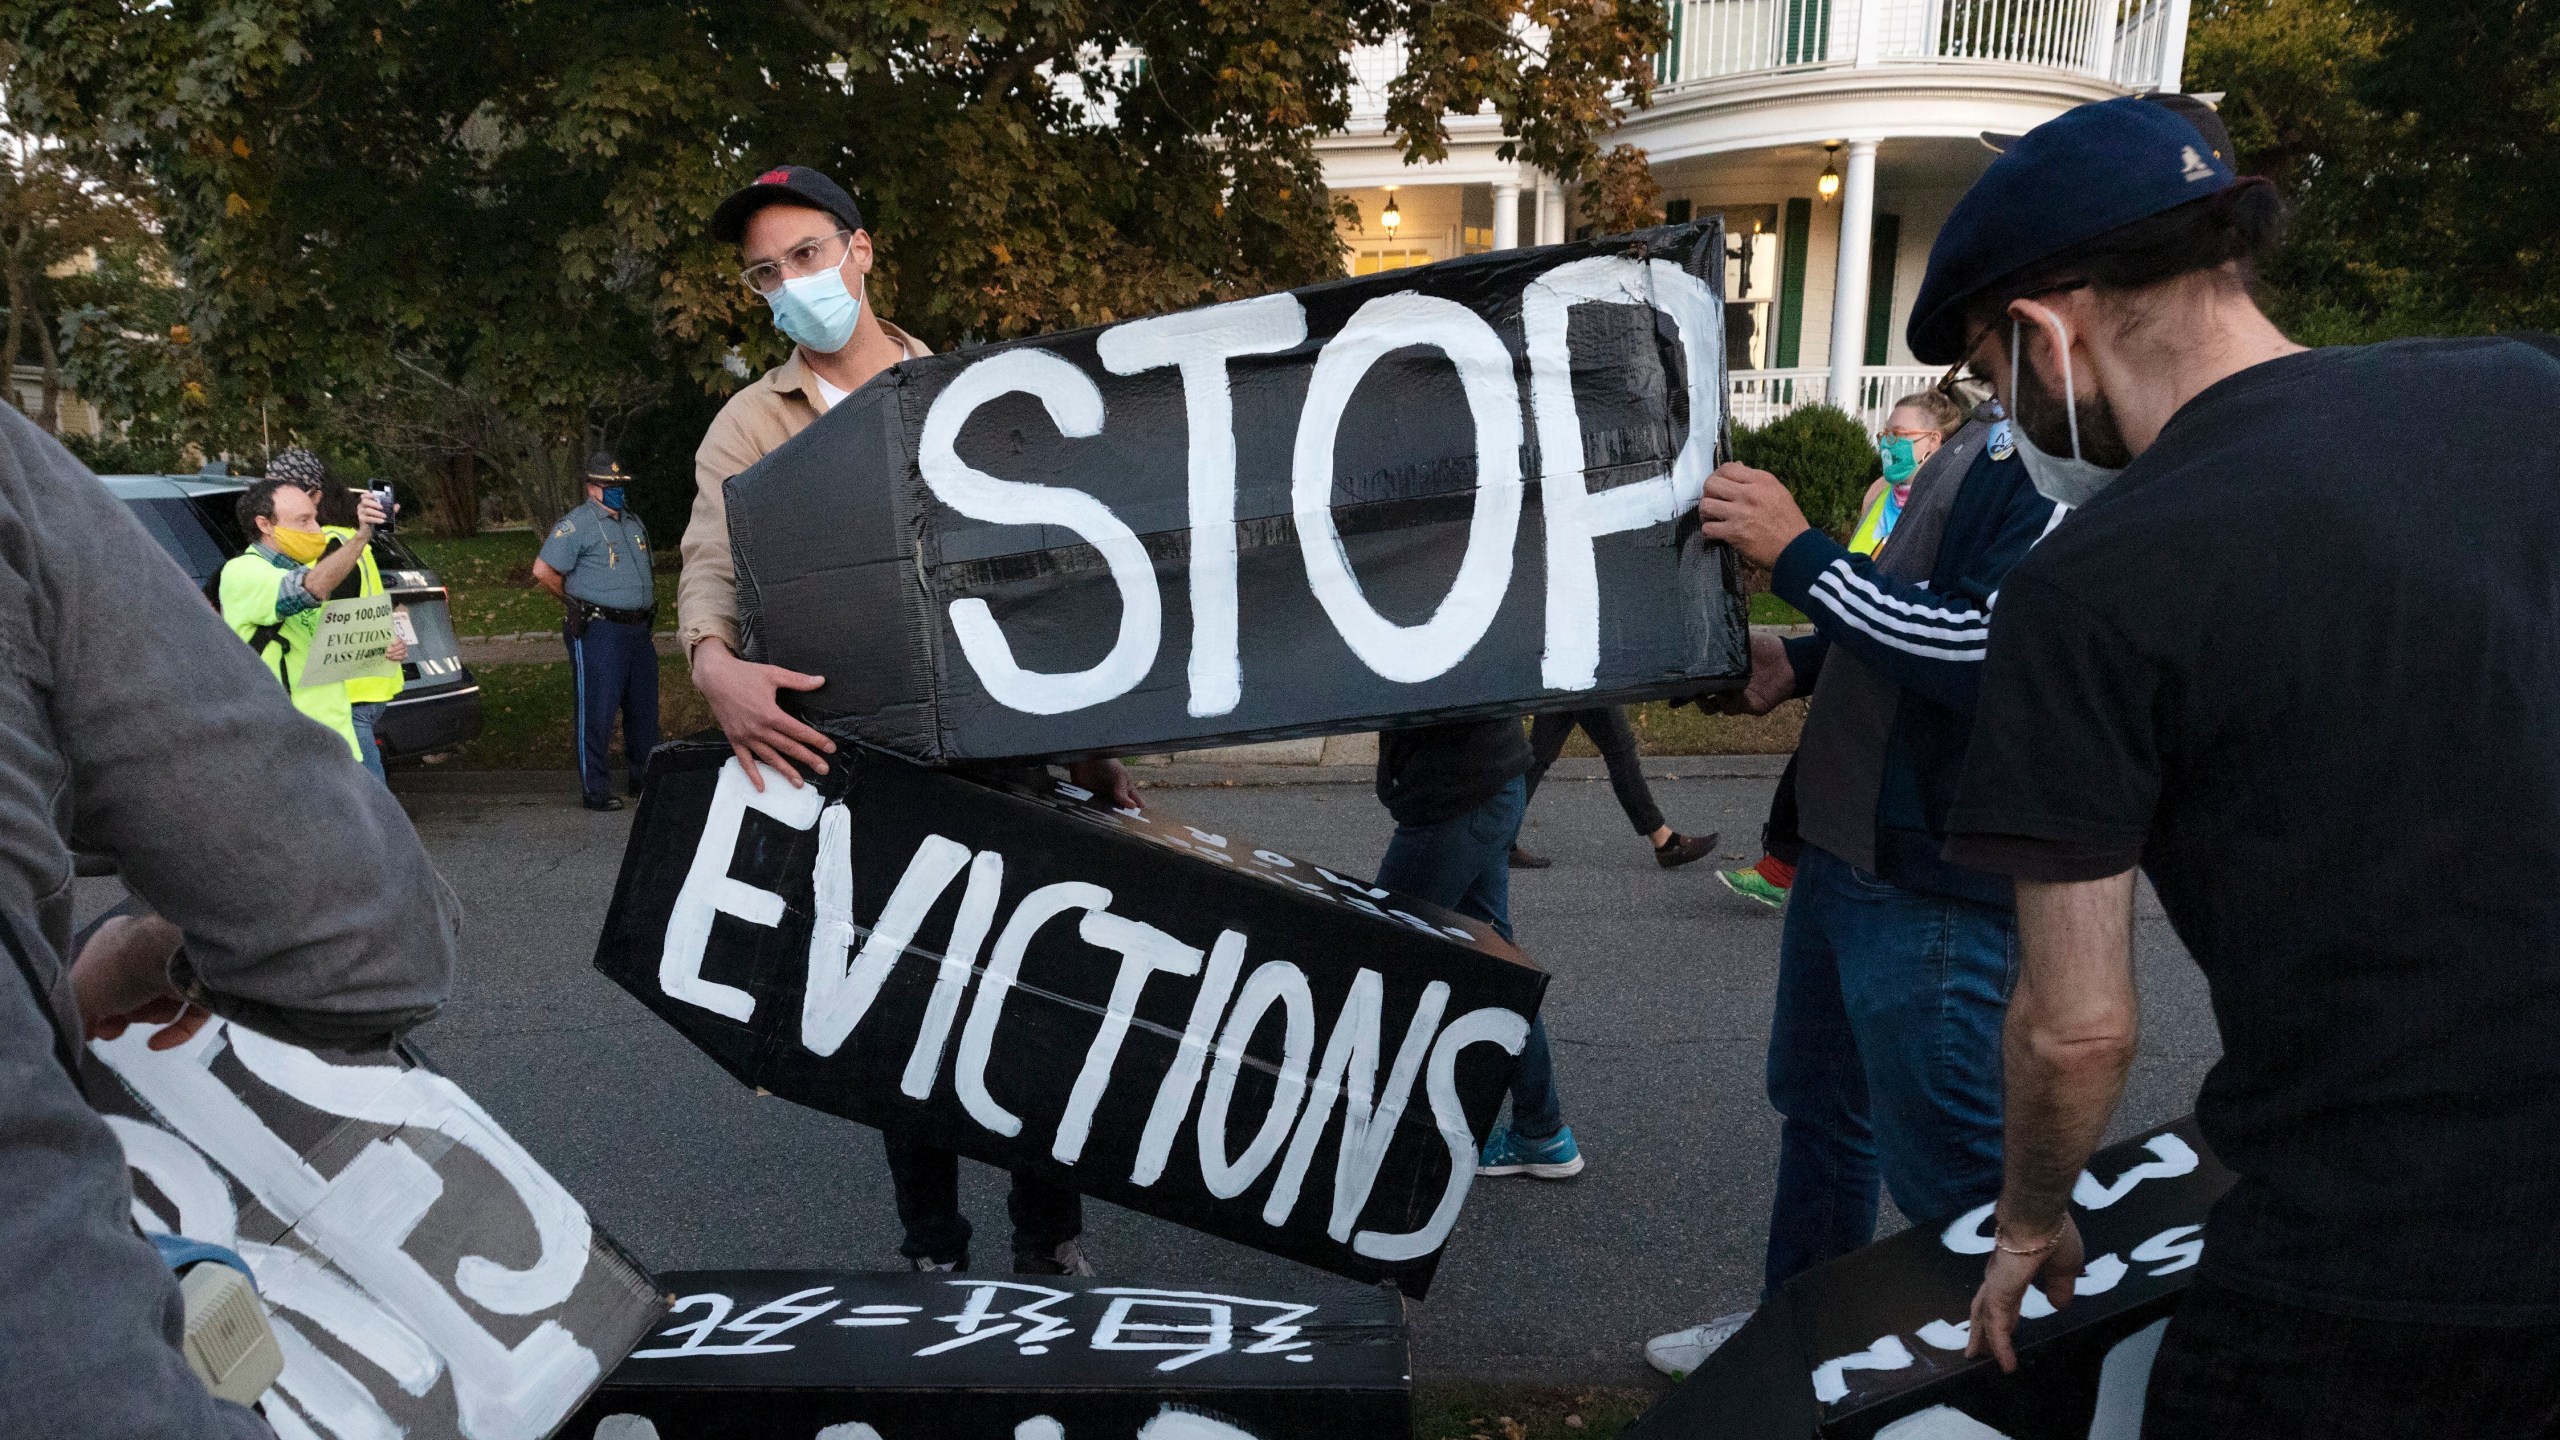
{"type": "Point", "coordinates": [2302, 663]}
{"type": "Point", "coordinates": [1439, 772]}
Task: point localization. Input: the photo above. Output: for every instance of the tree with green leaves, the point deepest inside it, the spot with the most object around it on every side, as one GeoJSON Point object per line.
{"type": "Point", "coordinates": [481, 226]}
{"type": "Point", "coordinates": [2416, 144]}
{"type": "Point", "coordinates": [54, 221]}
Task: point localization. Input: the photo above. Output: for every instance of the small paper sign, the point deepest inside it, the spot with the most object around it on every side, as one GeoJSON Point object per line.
{"type": "Point", "coordinates": [352, 643]}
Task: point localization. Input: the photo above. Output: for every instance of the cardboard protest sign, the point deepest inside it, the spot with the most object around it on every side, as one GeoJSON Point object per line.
{"type": "Point", "coordinates": [824, 1355]}
{"type": "Point", "coordinates": [353, 642]}
{"type": "Point", "coordinates": [1463, 489]}
{"type": "Point", "coordinates": [1165, 1018]}
{"type": "Point", "coordinates": [424, 1276]}
{"type": "Point", "coordinates": [1872, 1344]}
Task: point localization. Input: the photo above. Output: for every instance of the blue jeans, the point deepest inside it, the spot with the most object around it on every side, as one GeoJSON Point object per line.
{"type": "Point", "coordinates": [1464, 864]}
{"type": "Point", "coordinates": [368, 713]}
{"type": "Point", "coordinates": [1884, 1053]}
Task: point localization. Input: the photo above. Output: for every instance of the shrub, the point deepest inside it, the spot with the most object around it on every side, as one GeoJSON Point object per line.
{"type": "Point", "coordinates": [1826, 458]}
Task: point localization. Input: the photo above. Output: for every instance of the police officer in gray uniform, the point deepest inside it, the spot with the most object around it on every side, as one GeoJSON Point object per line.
{"type": "Point", "coordinates": [597, 561]}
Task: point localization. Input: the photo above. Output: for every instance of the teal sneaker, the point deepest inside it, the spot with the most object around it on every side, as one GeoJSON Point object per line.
{"type": "Point", "coordinates": [1507, 1153]}
{"type": "Point", "coordinates": [1750, 884]}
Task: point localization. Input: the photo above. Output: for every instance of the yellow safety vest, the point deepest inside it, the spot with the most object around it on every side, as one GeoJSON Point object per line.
{"type": "Point", "coordinates": [250, 583]}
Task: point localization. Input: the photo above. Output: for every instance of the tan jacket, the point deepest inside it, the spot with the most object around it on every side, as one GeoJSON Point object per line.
{"type": "Point", "coordinates": [777, 406]}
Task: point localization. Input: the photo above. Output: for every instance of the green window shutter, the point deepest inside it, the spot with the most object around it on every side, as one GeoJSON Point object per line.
{"type": "Point", "coordinates": [1808, 34]}
{"type": "Point", "coordinates": [1880, 286]}
{"type": "Point", "coordinates": [1675, 212]}
{"type": "Point", "coordinates": [1791, 257]}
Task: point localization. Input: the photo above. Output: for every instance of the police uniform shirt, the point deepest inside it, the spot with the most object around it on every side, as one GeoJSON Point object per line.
{"type": "Point", "coordinates": [603, 557]}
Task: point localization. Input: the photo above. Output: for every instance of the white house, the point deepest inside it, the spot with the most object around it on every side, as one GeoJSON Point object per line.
{"type": "Point", "coordinates": [1833, 136]}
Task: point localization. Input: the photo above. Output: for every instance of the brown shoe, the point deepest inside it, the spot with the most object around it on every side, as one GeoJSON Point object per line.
{"type": "Point", "coordinates": [1523, 860]}
{"type": "Point", "coordinates": [1681, 849]}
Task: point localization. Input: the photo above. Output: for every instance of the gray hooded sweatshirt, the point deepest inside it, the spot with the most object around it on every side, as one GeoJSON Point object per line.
{"type": "Point", "coordinates": [134, 721]}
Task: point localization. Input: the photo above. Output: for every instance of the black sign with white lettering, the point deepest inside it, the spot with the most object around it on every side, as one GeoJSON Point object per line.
{"type": "Point", "coordinates": [1465, 489]}
{"type": "Point", "coordinates": [1166, 1018]}
{"type": "Point", "coordinates": [425, 1277]}
{"type": "Point", "coordinates": [1881, 1333]}
{"type": "Point", "coordinates": [821, 1355]}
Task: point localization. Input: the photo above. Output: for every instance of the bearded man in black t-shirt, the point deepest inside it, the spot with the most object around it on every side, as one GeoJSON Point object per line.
{"type": "Point", "coordinates": [2295, 651]}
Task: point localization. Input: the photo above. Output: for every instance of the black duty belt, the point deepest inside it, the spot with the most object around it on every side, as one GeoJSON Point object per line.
{"type": "Point", "coordinates": [619, 617]}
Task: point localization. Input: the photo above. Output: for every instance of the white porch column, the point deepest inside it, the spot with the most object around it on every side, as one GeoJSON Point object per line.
{"type": "Point", "coordinates": [1550, 212]}
{"type": "Point", "coordinates": [2100, 59]}
{"type": "Point", "coordinates": [1506, 215]}
{"type": "Point", "coordinates": [1849, 290]}
{"type": "Point", "coordinates": [2173, 48]}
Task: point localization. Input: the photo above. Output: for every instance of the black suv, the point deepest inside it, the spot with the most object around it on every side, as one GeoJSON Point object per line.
{"type": "Point", "coordinates": [438, 709]}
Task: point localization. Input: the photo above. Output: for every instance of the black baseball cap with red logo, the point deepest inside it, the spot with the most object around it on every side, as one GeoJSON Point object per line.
{"type": "Point", "coordinates": [783, 185]}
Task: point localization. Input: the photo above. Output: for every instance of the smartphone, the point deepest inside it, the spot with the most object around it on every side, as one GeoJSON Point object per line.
{"type": "Point", "coordinates": [390, 507]}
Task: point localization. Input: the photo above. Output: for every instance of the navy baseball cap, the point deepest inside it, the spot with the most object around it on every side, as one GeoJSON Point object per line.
{"type": "Point", "coordinates": [2091, 169]}
{"type": "Point", "coordinates": [783, 185]}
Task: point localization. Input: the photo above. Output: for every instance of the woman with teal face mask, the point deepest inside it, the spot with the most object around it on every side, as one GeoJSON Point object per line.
{"type": "Point", "coordinates": [1918, 424]}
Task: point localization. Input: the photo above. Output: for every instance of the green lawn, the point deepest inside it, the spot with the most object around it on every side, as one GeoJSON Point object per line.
{"type": "Point", "coordinates": [1768, 609]}
{"type": "Point", "coordinates": [526, 718]}
{"type": "Point", "coordinates": [490, 581]}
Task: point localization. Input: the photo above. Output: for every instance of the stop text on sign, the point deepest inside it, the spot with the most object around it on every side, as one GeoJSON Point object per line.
{"type": "Point", "coordinates": [1199, 344]}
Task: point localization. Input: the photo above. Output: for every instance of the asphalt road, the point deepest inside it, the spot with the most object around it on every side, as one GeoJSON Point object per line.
{"type": "Point", "coordinates": [1660, 1020]}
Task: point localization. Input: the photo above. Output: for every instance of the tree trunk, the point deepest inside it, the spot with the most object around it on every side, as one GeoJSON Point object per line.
{"type": "Point", "coordinates": [50, 415]}
{"type": "Point", "coordinates": [458, 494]}
{"type": "Point", "coordinates": [17, 327]}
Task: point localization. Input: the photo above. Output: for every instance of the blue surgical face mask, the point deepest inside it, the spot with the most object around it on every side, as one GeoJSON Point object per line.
{"type": "Point", "coordinates": [613, 497]}
{"type": "Point", "coordinates": [816, 310]}
{"type": "Point", "coordinates": [2071, 483]}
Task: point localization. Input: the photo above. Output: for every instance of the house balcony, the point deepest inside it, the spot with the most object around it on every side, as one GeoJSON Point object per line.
{"type": "Point", "coordinates": [1832, 136]}
{"type": "Point", "coordinates": [2131, 44]}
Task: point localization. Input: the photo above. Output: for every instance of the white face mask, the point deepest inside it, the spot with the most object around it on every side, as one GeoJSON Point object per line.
{"type": "Point", "coordinates": [2073, 482]}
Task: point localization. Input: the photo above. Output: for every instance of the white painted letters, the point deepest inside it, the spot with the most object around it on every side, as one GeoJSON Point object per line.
{"type": "Point", "coordinates": [709, 892]}
{"type": "Point", "coordinates": [1272, 982]}
{"type": "Point", "coordinates": [1201, 342]}
{"type": "Point", "coordinates": [1412, 653]}
{"type": "Point", "coordinates": [977, 1042]}
{"type": "Point", "coordinates": [1575, 516]}
{"type": "Point", "coordinates": [1489, 1026]}
{"type": "Point", "coordinates": [1144, 951]}
{"type": "Point", "coordinates": [1075, 407]}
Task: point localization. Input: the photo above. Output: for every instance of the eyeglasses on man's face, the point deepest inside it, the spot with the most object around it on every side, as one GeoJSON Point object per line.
{"type": "Point", "coordinates": [809, 257]}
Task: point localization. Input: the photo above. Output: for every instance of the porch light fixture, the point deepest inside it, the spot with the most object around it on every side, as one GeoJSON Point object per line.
{"type": "Point", "coordinates": [1828, 187]}
{"type": "Point", "coordinates": [1391, 217]}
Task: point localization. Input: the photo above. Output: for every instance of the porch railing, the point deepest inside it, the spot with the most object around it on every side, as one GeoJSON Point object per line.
{"type": "Point", "coordinates": [2127, 41]}
{"type": "Point", "coordinates": [1760, 396]}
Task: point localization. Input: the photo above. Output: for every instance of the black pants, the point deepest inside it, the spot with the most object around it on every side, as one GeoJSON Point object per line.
{"type": "Point", "coordinates": [1608, 729]}
{"type": "Point", "coordinates": [2235, 1365]}
{"type": "Point", "coordinates": [1045, 1215]}
{"type": "Point", "coordinates": [1778, 835]}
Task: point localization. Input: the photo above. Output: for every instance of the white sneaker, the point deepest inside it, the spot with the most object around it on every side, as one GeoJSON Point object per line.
{"type": "Point", "coordinates": [1683, 1351]}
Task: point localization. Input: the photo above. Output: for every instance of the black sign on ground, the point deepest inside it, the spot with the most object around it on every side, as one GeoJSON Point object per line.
{"type": "Point", "coordinates": [1160, 1016]}
{"type": "Point", "coordinates": [424, 1275]}
{"type": "Point", "coordinates": [1463, 489]}
{"type": "Point", "coordinates": [825, 1355]}
{"type": "Point", "coordinates": [1872, 1344]}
